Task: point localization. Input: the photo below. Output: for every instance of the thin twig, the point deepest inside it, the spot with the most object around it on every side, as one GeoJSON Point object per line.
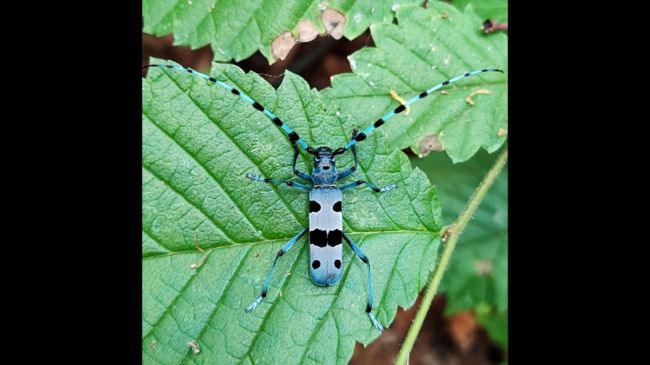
{"type": "Point", "coordinates": [458, 228]}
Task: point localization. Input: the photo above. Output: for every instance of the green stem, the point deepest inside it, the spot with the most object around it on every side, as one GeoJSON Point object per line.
{"type": "Point", "coordinates": [455, 231]}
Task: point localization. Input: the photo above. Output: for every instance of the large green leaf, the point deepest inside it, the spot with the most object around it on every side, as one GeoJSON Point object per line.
{"type": "Point", "coordinates": [236, 29]}
{"type": "Point", "coordinates": [199, 141]}
{"type": "Point", "coordinates": [487, 9]}
{"type": "Point", "coordinates": [428, 47]}
{"type": "Point", "coordinates": [477, 276]}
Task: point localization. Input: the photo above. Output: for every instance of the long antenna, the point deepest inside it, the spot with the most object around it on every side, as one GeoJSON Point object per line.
{"type": "Point", "coordinates": [366, 132]}
{"type": "Point", "coordinates": [293, 136]}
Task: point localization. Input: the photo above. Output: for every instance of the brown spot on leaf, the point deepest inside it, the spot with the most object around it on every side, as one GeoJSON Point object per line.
{"type": "Point", "coordinates": [396, 96]}
{"type": "Point", "coordinates": [334, 23]}
{"type": "Point", "coordinates": [469, 99]}
{"type": "Point", "coordinates": [447, 233]}
{"type": "Point", "coordinates": [429, 143]}
{"type": "Point", "coordinates": [444, 92]}
{"type": "Point", "coordinates": [502, 132]}
{"type": "Point", "coordinates": [282, 45]}
{"type": "Point", "coordinates": [306, 31]}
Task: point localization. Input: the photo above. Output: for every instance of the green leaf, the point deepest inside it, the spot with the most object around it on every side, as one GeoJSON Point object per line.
{"type": "Point", "coordinates": [487, 9]}
{"type": "Point", "coordinates": [477, 277]}
{"type": "Point", "coordinates": [236, 29]}
{"type": "Point", "coordinates": [199, 141]}
{"type": "Point", "coordinates": [428, 47]}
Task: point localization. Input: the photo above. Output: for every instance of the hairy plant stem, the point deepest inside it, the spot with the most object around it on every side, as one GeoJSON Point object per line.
{"type": "Point", "coordinates": [454, 232]}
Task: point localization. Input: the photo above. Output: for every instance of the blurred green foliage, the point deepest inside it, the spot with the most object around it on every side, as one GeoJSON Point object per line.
{"type": "Point", "coordinates": [477, 277]}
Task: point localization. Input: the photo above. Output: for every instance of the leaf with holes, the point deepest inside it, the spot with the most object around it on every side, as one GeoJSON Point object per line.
{"type": "Point", "coordinates": [428, 47]}
{"type": "Point", "coordinates": [477, 277]}
{"type": "Point", "coordinates": [210, 235]}
{"type": "Point", "coordinates": [236, 29]}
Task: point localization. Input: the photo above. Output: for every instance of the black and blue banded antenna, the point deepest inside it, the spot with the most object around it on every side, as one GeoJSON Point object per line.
{"type": "Point", "coordinates": [366, 132]}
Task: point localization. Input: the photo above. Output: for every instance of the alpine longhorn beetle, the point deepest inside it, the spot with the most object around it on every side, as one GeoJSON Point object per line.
{"type": "Point", "coordinates": [325, 196]}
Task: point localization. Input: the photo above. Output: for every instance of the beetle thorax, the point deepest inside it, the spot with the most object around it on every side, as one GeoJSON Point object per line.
{"type": "Point", "coordinates": [324, 167]}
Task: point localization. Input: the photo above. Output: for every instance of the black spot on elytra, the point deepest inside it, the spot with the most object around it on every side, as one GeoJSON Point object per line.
{"type": "Point", "coordinates": [313, 206]}
{"type": "Point", "coordinates": [293, 136]}
{"type": "Point", "coordinates": [315, 264]}
{"type": "Point", "coordinates": [318, 237]}
{"type": "Point", "coordinates": [360, 137]}
{"type": "Point", "coordinates": [337, 263]}
{"type": "Point", "coordinates": [466, 74]}
{"type": "Point", "coordinates": [379, 123]}
{"type": "Point", "coordinates": [277, 121]}
{"type": "Point", "coordinates": [257, 106]}
{"type": "Point", "coordinates": [189, 70]}
{"type": "Point", "coordinates": [484, 70]}
{"type": "Point", "coordinates": [212, 79]}
{"type": "Point", "coordinates": [334, 238]}
{"type": "Point", "coordinates": [337, 206]}
{"type": "Point", "coordinates": [400, 108]}
{"type": "Point", "coordinates": [170, 66]}
{"type": "Point", "coordinates": [368, 308]}
{"type": "Point", "coordinates": [424, 94]}
{"type": "Point", "coordinates": [446, 82]}
{"type": "Point", "coordinates": [234, 91]}
{"type": "Point", "coordinates": [289, 182]}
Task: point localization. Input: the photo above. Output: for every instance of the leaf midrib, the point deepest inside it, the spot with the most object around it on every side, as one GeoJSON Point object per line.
{"type": "Point", "coordinates": [275, 240]}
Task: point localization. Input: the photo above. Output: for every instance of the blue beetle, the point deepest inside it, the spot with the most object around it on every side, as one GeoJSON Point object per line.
{"type": "Point", "coordinates": [325, 220]}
